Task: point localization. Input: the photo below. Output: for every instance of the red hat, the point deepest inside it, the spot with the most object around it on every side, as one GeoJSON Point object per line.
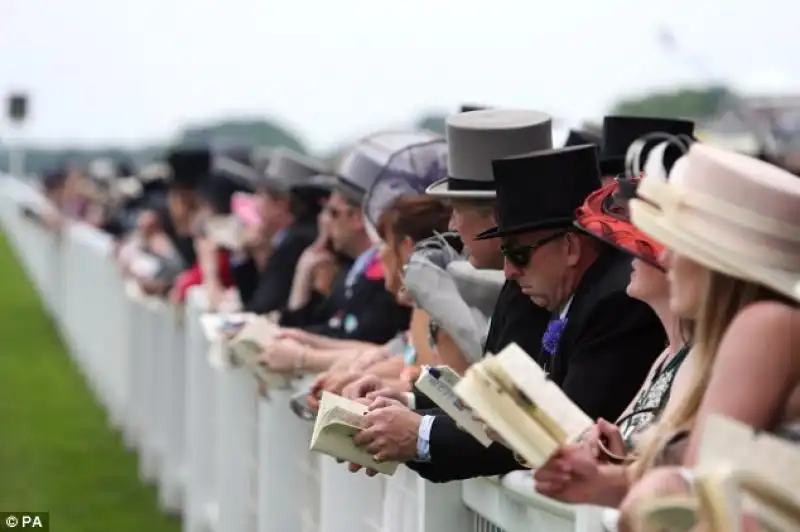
{"type": "Point", "coordinates": [604, 215]}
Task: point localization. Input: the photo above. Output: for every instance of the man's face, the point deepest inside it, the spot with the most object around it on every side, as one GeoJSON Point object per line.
{"type": "Point", "coordinates": [272, 208]}
{"type": "Point", "coordinates": [537, 261]}
{"type": "Point", "coordinates": [345, 221]}
{"type": "Point", "coordinates": [469, 221]}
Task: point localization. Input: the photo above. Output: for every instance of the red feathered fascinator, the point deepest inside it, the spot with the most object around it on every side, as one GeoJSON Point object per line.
{"type": "Point", "coordinates": [604, 215]}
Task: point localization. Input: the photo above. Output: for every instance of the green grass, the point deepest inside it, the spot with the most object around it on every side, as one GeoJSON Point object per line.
{"type": "Point", "coordinates": [57, 452]}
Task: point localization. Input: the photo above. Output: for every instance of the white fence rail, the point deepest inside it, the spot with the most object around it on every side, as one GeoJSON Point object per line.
{"type": "Point", "coordinates": [221, 456]}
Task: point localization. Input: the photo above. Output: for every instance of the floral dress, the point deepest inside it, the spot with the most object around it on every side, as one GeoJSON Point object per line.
{"type": "Point", "coordinates": [652, 400]}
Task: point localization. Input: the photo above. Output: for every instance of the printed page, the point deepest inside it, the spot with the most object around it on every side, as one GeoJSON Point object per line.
{"type": "Point", "coordinates": [440, 391]}
{"type": "Point", "coordinates": [562, 418]}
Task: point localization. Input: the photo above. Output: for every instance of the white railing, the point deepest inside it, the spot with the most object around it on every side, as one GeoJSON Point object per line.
{"type": "Point", "coordinates": [221, 456]}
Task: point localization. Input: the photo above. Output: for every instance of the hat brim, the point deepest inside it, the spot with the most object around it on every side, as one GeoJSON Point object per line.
{"type": "Point", "coordinates": [623, 249]}
{"type": "Point", "coordinates": [556, 223]}
{"type": "Point", "coordinates": [441, 189]}
{"type": "Point", "coordinates": [706, 252]}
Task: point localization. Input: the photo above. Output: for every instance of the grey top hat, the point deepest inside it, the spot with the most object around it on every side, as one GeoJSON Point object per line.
{"type": "Point", "coordinates": [375, 155]}
{"type": "Point", "coordinates": [236, 171]}
{"type": "Point", "coordinates": [477, 138]}
{"type": "Point", "coordinates": [288, 169]}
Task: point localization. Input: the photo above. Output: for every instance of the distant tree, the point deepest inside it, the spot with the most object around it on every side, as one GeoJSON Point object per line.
{"type": "Point", "coordinates": [696, 103]}
{"type": "Point", "coordinates": [242, 132]}
{"type": "Point", "coordinates": [435, 123]}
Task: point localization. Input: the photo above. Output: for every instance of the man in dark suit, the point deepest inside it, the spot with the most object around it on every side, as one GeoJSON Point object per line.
{"type": "Point", "coordinates": [289, 224]}
{"type": "Point", "coordinates": [600, 343]}
{"type": "Point", "coordinates": [359, 307]}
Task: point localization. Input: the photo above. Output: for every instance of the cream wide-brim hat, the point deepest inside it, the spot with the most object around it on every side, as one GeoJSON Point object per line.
{"type": "Point", "coordinates": [730, 213]}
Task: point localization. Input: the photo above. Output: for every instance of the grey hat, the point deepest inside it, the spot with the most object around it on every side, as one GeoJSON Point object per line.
{"type": "Point", "coordinates": [288, 169]}
{"type": "Point", "coordinates": [377, 154]}
{"type": "Point", "coordinates": [476, 138]}
{"type": "Point", "coordinates": [259, 157]}
{"type": "Point", "coordinates": [236, 171]}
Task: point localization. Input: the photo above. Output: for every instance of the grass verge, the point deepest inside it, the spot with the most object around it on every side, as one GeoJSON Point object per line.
{"type": "Point", "coordinates": [57, 452]}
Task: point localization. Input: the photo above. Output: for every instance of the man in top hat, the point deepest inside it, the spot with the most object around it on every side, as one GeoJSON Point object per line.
{"type": "Point", "coordinates": [619, 132]}
{"type": "Point", "coordinates": [599, 343]}
{"type": "Point", "coordinates": [188, 168]}
{"type": "Point", "coordinates": [475, 139]}
{"type": "Point", "coordinates": [287, 226]}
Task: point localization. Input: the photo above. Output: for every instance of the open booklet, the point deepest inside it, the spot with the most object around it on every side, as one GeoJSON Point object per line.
{"type": "Point", "coordinates": [248, 344]}
{"type": "Point", "coordinates": [739, 471]}
{"type": "Point", "coordinates": [219, 326]}
{"type": "Point", "coordinates": [338, 421]}
{"type": "Point", "coordinates": [513, 395]}
{"type": "Point", "coordinates": [437, 383]}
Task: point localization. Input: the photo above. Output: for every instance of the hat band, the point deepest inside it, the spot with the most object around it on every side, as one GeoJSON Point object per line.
{"type": "Point", "coordinates": [670, 197]}
{"type": "Point", "coordinates": [460, 185]}
{"type": "Point", "coordinates": [765, 243]}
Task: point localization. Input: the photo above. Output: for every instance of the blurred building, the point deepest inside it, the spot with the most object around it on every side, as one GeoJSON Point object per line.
{"type": "Point", "coordinates": [779, 115]}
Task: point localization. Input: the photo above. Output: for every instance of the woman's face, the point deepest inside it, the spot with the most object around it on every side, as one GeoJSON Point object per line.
{"type": "Point", "coordinates": [394, 256]}
{"type": "Point", "coordinates": [648, 283]}
{"type": "Point", "coordinates": [687, 285]}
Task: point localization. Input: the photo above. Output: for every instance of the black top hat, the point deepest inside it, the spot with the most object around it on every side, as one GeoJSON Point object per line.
{"type": "Point", "coordinates": [619, 132]}
{"type": "Point", "coordinates": [579, 137]}
{"type": "Point", "coordinates": [469, 107]}
{"type": "Point", "coordinates": [542, 190]}
{"type": "Point", "coordinates": [189, 166]}
{"type": "Point", "coordinates": [218, 188]}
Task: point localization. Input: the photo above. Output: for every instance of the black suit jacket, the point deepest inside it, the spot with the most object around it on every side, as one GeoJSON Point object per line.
{"type": "Point", "coordinates": [515, 319]}
{"type": "Point", "coordinates": [367, 313]}
{"type": "Point", "coordinates": [604, 354]}
{"type": "Point", "coordinates": [271, 292]}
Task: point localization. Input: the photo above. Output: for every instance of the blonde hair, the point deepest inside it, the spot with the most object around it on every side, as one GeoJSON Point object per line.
{"type": "Point", "coordinates": [722, 299]}
{"type": "Point", "coordinates": [484, 207]}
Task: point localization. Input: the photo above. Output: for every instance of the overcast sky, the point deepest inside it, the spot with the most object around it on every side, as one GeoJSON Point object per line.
{"type": "Point", "coordinates": [136, 70]}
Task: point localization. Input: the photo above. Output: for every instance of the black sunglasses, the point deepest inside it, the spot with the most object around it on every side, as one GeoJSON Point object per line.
{"type": "Point", "coordinates": [520, 256]}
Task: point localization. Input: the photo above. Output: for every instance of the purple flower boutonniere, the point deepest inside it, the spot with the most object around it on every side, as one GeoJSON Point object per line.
{"type": "Point", "coordinates": [552, 335]}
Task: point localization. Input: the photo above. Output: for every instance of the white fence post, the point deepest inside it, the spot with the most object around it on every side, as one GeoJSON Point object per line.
{"type": "Point", "coordinates": [226, 459]}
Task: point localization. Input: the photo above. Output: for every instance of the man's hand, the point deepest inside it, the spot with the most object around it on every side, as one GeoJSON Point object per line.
{"type": "Point", "coordinates": [151, 287]}
{"type": "Point", "coordinates": [362, 386]}
{"type": "Point", "coordinates": [335, 383]}
{"type": "Point", "coordinates": [387, 394]}
{"type": "Point", "coordinates": [367, 358]}
{"type": "Point", "coordinates": [390, 433]}
{"type": "Point", "coordinates": [282, 355]}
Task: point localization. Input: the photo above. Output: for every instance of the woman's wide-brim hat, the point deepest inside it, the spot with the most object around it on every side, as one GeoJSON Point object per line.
{"type": "Point", "coordinates": [605, 216]}
{"type": "Point", "coordinates": [726, 211]}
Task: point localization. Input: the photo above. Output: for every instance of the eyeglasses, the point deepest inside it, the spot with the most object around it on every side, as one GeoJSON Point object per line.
{"type": "Point", "coordinates": [520, 256]}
